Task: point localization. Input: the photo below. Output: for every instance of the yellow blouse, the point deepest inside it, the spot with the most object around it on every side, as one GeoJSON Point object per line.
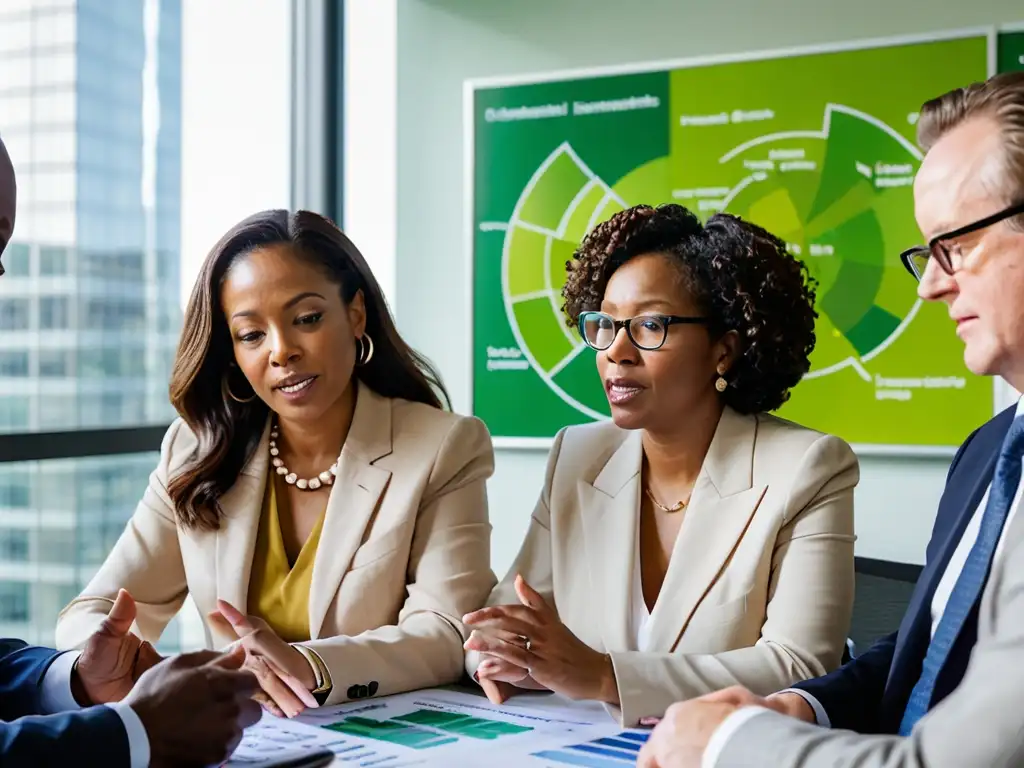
{"type": "Point", "coordinates": [279, 589]}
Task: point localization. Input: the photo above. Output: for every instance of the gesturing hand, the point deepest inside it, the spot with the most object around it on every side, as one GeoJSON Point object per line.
{"type": "Point", "coordinates": [194, 707]}
{"type": "Point", "coordinates": [682, 735]}
{"type": "Point", "coordinates": [283, 672]}
{"type": "Point", "coordinates": [551, 654]}
{"type": "Point", "coordinates": [113, 658]}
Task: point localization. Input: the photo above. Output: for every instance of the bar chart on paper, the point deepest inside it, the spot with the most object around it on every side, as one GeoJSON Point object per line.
{"type": "Point", "coordinates": [420, 728]}
{"type": "Point", "coordinates": [603, 752]}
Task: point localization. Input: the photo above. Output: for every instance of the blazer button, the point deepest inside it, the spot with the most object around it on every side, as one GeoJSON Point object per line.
{"type": "Point", "coordinates": [373, 688]}
{"type": "Point", "coordinates": [353, 692]}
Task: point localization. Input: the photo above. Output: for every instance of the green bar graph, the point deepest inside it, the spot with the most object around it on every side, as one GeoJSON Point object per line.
{"type": "Point", "coordinates": [426, 728]}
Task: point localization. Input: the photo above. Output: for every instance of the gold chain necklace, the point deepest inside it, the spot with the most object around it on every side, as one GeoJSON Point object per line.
{"type": "Point", "coordinates": [678, 505]}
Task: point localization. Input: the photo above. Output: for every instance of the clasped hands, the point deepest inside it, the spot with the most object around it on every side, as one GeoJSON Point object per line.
{"type": "Point", "coordinates": [527, 646]}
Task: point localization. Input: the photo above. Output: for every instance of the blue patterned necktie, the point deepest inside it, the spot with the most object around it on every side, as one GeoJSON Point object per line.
{"type": "Point", "coordinates": [971, 580]}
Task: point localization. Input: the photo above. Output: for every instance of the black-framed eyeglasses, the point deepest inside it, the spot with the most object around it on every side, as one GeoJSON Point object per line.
{"type": "Point", "coordinates": [647, 332]}
{"type": "Point", "coordinates": [947, 256]}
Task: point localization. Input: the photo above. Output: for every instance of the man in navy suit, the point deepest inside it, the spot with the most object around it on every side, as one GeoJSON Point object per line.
{"type": "Point", "coordinates": [969, 202]}
{"type": "Point", "coordinates": [117, 703]}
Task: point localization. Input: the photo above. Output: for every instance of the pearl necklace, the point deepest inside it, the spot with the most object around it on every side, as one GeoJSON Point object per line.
{"type": "Point", "coordinates": [324, 478]}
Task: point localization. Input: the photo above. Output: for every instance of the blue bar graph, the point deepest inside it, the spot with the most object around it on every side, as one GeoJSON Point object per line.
{"type": "Point", "coordinates": [607, 752]}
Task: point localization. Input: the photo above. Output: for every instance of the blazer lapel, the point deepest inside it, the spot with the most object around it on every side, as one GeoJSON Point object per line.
{"type": "Point", "coordinates": [609, 507]}
{"type": "Point", "coordinates": [352, 502]}
{"type": "Point", "coordinates": [721, 506]}
{"type": "Point", "coordinates": [241, 507]}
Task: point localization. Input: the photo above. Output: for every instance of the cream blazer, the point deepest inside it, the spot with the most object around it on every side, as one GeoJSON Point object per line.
{"type": "Point", "coordinates": [759, 589]}
{"type": "Point", "coordinates": [404, 552]}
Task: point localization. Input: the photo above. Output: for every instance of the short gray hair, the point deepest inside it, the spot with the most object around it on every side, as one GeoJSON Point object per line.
{"type": "Point", "coordinates": [1001, 98]}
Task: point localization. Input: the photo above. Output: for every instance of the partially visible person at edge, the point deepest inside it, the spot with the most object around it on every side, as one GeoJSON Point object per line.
{"type": "Point", "coordinates": [315, 499]}
{"type": "Point", "coordinates": [694, 541]}
{"type": "Point", "coordinates": [189, 709]}
{"type": "Point", "coordinates": [944, 691]}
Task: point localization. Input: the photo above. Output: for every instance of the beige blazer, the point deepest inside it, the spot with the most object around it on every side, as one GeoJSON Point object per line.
{"type": "Point", "coordinates": [404, 552]}
{"type": "Point", "coordinates": [759, 589]}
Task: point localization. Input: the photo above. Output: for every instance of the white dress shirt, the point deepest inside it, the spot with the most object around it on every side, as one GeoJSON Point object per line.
{"type": "Point", "coordinates": [942, 592]}
{"type": "Point", "coordinates": [639, 616]}
{"type": "Point", "coordinates": [56, 697]}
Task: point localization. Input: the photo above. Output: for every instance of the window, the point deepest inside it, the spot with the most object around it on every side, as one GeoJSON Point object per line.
{"type": "Point", "coordinates": [106, 362]}
{"type": "Point", "coordinates": [125, 265]}
{"type": "Point", "coordinates": [13, 545]}
{"type": "Point", "coordinates": [14, 313]}
{"type": "Point", "coordinates": [14, 601]}
{"type": "Point", "coordinates": [48, 599]}
{"type": "Point", "coordinates": [17, 259]}
{"type": "Point", "coordinates": [53, 261]}
{"type": "Point", "coordinates": [56, 545]}
{"type": "Point", "coordinates": [112, 409]}
{"type": "Point", "coordinates": [14, 362]}
{"type": "Point", "coordinates": [56, 363]}
{"type": "Point", "coordinates": [53, 478]}
{"type": "Point", "coordinates": [53, 313]}
{"type": "Point", "coordinates": [117, 313]}
{"type": "Point", "coordinates": [14, 412]}
{"type": "Point", "coordinates": [110, 183]}
{"type": "Point", "coordinates": [58, 412]}
{"type": "Point", "coordinates": [15, 488]}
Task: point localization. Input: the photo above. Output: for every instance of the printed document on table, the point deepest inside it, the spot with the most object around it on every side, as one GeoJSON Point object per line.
{"type": "Point", "coordinates": [448, 727]}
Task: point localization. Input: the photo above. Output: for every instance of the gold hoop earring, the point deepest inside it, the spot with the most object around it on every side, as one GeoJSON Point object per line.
{"type": "Point", "coordinates": [365, 352]}
{"type": "Point", "coordinates": [225, 386]}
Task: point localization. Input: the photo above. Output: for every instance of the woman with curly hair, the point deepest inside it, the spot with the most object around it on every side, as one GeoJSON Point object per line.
{"type": "Point", "coordinates": [695, 542]}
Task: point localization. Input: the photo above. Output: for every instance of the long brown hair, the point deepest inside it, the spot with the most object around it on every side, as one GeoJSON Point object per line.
{"type": "Point", "coordinates": [228, 431]}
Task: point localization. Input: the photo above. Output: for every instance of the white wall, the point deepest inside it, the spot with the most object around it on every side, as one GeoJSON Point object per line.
{"type": "Point", "coordinates": [236, 119]}
{"type": "Point", "coordinates": [443, 42]}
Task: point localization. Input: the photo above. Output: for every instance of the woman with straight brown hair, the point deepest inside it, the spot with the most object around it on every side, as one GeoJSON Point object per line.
{"type": "Point", "coordinates": [315, 499]}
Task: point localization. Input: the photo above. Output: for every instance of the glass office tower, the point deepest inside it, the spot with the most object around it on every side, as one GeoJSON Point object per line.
{"type": "Point", "coordinates": [90, 110]}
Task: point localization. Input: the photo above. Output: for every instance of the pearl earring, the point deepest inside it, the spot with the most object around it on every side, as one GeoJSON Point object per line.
{"type": "Point", "coordinates": [720, 383]}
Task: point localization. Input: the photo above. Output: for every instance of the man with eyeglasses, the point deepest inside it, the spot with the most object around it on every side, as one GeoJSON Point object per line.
{"type": "Point", "coordinates": [947, 689]}
{"type": "Point", "coordinates": [116, 703]}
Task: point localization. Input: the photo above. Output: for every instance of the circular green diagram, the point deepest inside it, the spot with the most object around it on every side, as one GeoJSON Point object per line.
{"type": "Point", "coordinates": [561, 202]}
{"type": "Point", "coordinates": [839, 193]}
{"type": "Point", "coordinates": [840, 197]}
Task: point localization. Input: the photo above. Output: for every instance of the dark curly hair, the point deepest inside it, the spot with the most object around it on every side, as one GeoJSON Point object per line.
{"type": "Point", "coordinates": [741, 276]}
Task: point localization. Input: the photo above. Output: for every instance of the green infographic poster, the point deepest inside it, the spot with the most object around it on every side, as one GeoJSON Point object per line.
{"type": "Point", "coordinates": [817, 147]}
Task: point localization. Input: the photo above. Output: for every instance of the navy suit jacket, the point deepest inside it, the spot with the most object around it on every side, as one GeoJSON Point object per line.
{"type": "Point", "coordinates": [87, 737]}
{"type": "Point", "coordinates": [869, 693]}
